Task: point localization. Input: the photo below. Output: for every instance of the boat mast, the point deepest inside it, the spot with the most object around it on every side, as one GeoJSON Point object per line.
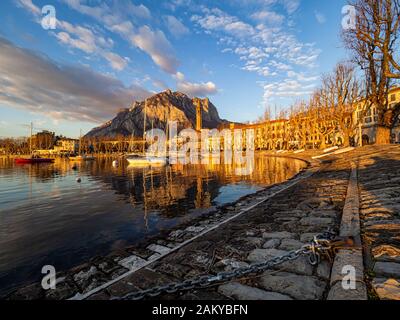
{"type": "Point", "coordinates": [144, 125]}
{"type": "Point", "coordinates": [30, 140]}
{"type": "Point", "coordinates": [80, 142]}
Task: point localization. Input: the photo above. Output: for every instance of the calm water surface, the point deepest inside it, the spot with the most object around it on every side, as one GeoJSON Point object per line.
{"type": "Point", "coordinates": [46, 217]}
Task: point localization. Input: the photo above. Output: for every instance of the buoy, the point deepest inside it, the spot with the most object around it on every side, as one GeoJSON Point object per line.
{"type": "Point", "coordinates": [79, 180]}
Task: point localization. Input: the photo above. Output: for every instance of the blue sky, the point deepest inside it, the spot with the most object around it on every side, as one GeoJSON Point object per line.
{"type": "Point", "coordinates": [243, 54]}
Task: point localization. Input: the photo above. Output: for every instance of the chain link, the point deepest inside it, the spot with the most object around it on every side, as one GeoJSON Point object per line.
{"type": "Point", "coordinates": [319, 247]}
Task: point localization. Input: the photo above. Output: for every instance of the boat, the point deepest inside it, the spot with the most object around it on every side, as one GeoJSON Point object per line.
{"type": "Point", "coordinates": [33, 160]}
{"type": "Point", "coordinates": [82, 158]}
{"type": "Point", "coordinates": [143, 160]}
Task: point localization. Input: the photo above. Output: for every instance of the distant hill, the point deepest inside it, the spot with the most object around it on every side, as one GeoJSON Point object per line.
{"type": "Point", "coordinates": [162, 107]}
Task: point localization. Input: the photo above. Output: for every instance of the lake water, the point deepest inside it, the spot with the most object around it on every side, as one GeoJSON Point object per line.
{"type": "Point", "coordinates": [47, 218]}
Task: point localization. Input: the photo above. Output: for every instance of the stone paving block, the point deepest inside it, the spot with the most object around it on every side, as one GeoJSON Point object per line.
{"type": "Point", "coordinates": [260, 255]}
{"type": "Point", "coordinates": [290, 244]}
{"type": "Point", "coordinates": [242, 292]}
{"type": "Point", "coordinates": [337, 292]}
{"type": "Point", "coordinates": [307, 237]}
{"type": "Point", "coordinates": [132, 262]}
{"type": "Point", "coordinates": [313, 221]}
{"type": "Point", "coordinates": [158, 248]}
{"type": "Point", "coordinates": [278, 235]}
{"type": "Point", "coordinates": [272, 244]}
{"type": "Point", "coordinates": [231, 264]}
{"type": "Point", "coordinates": [387, 289]}
{"type": "Point", "coordinates": [324, 270]}
{"type": "Point", "coordinates": [344, 258]}
{"type": "Point", "coordinates": [387, 269]}
{"type": "Point", "coordinates": [296, 286]}
{"type": "Point", "coordinates": [386, 253]}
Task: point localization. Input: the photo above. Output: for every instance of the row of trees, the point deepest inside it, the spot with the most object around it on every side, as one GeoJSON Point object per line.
{"type": "Point", "coordinates": [329, 109]}
{"type": "Point", "coordinates": [14, 146]}
{"type": "Point", "coordinates": [363, 81]}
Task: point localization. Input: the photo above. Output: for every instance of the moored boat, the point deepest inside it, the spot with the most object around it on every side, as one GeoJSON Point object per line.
{"type": "Point", "coordinates": [141, 160]}
{"type": "Point", "coordinates": [33, 160]}
{"type": "Point", "coordinates": [82, 158]}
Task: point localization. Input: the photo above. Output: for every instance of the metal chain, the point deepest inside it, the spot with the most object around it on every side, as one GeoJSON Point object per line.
{"type": "Point", "coordinates": [319, 247]}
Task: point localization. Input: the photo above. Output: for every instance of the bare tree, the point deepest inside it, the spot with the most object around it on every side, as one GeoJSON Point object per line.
{"type": "Point", "coordinates": [341, 92]}
{"type": "Point", "coordinates": [324, 124]}
{"type": "Point", "coordinates": [374, 42]}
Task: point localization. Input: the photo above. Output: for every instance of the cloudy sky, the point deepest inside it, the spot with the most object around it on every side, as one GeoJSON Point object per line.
{"type": "Point", "coordinates": [103, 55]}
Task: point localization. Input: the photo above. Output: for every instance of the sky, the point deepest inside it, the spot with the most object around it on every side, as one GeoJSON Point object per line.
{"type": "Point", "coordinates": [74, 72]}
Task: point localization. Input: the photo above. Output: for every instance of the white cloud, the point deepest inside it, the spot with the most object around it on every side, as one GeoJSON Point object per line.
{"type": "Point", "coordinates": [67, 92]}
{"type": "Point", "coordinates": [217, 20]}
{"type": "Point", "coordinates": [291, 6]}
{"type": "Point", "coordinates": [286, 88]}
{"type": "Point", "coordinates": [116, 61]}
{"type": "Point", "coordinates": [320, 17]}
{"type": "Point", "coordinates": [157, 46]}
{"type": "Point", "coordinates": [118, 9]}
{"type": "Point", "coordinates": [203, 89]}
{"type": "Point", "coordinates": [120, 18]}
{"type": "Point", "coordinates": [176, 27]}
{"type": "Point", "coordinates": [268, 17]}
{"type": "Point", "coordinates": [267, 49]}
{"type": "Point", "coordinates": [86, 40]}
{"type": "Point", "coordinates": [302, 77]}
{"type": "Point", "coordinates": [28, 5]}
{"type": "Point", "coordinates": [79, 37]}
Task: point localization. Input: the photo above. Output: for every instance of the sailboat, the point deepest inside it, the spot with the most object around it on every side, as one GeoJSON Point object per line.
{"type": "Point", "coordinates": [141, 159]}
{"type": "Point", "coordinates": [33, 158]}
{"type": "Point", "coordinates": [81, 157]}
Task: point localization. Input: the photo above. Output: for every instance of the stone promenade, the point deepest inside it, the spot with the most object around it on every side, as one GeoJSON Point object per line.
{"type": "Point", "coordinates": [379, 185]}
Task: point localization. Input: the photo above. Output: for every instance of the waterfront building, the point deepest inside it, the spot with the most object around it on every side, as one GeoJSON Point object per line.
{"type": "Point", "coordinates": [306, 130]}
{"type": "Point", "coordinates": [44, 140]}
{"type": "Point", "coordinates": [67, 145]}
{"type": "Point", "coordinates": [368, 120]}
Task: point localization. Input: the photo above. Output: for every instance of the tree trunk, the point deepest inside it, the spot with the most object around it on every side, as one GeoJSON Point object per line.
{"type": "Point", "coordinates": [346, 140]}
{"type": "Point", "coordinates": [382, 135]}
{"type": "Point", "coordinates": [323, 143]}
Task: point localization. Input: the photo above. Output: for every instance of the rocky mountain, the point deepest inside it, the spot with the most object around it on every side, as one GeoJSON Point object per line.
{"type": "Point", "coordinates": [160, 108]}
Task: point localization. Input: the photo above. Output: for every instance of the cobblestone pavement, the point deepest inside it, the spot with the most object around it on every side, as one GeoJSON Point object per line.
{"type": "Point", "coordinates": [379, 184]}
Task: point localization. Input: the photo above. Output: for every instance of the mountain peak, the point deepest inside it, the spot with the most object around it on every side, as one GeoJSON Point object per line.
{"type": "Point", "coordinates": [159, 108]}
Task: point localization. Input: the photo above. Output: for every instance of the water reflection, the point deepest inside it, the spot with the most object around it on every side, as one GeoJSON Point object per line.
{"type": "Point", "coordinates": [46, 217]}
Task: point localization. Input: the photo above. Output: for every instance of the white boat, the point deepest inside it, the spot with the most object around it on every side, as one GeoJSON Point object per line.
{"type": "Point", "coordinates": [82, 158]}
{"type": "Point", "coordinates": [142, 160]}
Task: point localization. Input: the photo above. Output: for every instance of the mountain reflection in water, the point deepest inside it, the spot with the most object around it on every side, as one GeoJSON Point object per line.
{"type": "Point", "coordinates": [47, 218]}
